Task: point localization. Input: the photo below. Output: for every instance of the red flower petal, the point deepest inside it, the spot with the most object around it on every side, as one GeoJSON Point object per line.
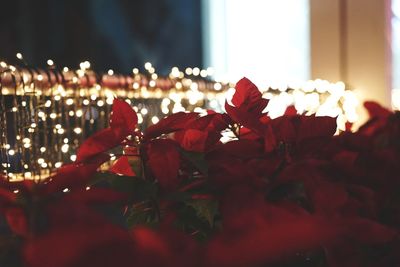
{"type": "Point", "coordinates": [246, 118]}
{"type": "Point", "coordinates": [262, 241]}
{"type": "Point", "coordinates": [376, 111]}
{"type": "Point", "coordinates": [7, 196]}
{"type": "Point", "coordinates": [311, 127]}
{"type": "Point", "coordinates": [284, 129]}
{"type": "Point", "coordinates": [172, 123]}
{"type": "Point", "coordinates": [164, 162]}
{"type": "Point", "coordinates": [122, 167]}
{"type": "Point", "coordinates": [98, 143]}
{"type": "Point", "coordinates": [123, 118]}
{"type": "Point", "coordinates": [270, 142]}
{"type": "Point", "coordinates": [246, 92]}
{"type": "Point", "coordinates": [99, 245]}
{"type": "Point", "coordinates": [94, 196]}
{"type": "Point", "coordinates": [73, 175]}
{"type": "Point", "coordinates": [194, 140]}
{"type": "Point", "coordinates": [291, 111]}
{"type": "Point", "coordinates": [17, 221]}
{"type": "Point", "coordinates": [150, 242]}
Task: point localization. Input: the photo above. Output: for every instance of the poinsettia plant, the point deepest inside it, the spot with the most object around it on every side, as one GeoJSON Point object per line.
{"type": "Point", "coordinates": [281, 192]}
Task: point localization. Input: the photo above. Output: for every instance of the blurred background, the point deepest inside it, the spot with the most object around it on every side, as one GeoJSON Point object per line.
{"type": "Point", "coordinates": [272, 42]}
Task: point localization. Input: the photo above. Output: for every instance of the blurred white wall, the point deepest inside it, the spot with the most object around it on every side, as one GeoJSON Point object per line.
{"type": "Point", "coordinates": [265, 40]}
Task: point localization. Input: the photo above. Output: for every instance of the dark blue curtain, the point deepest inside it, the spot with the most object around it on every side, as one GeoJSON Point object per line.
{"type": "Point", "coordinates": [117, 34]}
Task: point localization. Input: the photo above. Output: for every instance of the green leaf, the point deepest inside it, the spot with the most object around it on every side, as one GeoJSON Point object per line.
{"type": "Point", "coordinates": [140, 216]}
{"type": "Point", "coordinates": [137, 188]}
{"type": "Point", "coordinates": [197, 159]}
{"type": "Point", "coordinates": [206, 209]}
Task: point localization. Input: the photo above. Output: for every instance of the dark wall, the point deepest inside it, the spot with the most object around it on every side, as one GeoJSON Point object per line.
{"type": "Point", "coordinates": [117, 34]}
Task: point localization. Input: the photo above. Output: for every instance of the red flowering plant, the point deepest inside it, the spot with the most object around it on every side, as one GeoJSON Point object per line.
{"type": "Point", "coordinates": [281, 192]}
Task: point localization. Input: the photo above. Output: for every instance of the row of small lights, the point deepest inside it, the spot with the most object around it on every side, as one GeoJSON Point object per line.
{"type": "Point", "coordinates": [175, 73]}
{"type": "Point", "coordinates": [305, 97]}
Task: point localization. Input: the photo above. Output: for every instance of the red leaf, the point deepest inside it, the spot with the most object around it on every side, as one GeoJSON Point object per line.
{"type": "Point", "coordinates": [243, 116]}
{"type": "Point", "coordinates": [25, 185]}
{"type": "Point", "coordinates": [100, 245]}
{"type": "Point", "coordinates": [259, 241]}
{"type": "Point", "coordinates": [94, 196]}
{"type": "Point", "coordinates": [270, 142]}
{"type": "Point", "coordinates": [312, 127]}
{"type": "Point", "coordinates": [246, 92]}
{"type": "Point", "coordinates": [376, 111]}
{"type": "Point", "coordinates": [123, 119]}
{"type": "Point", "coordinates": [7, 196]}
{"type": "Point", "coordinates": [284, 129]}
{"type": "Point", "coordinates": [73, 175]}
{"type": "Point", "coordinates": [245, 149]}
{"type": "Point", "coordinates": [164, 162]}
{"type": "Point", "coordinates": [290, 111]}
{"type": "Point", "coordinates": [16, 219]}
{"type": "Point", "coordinates": [122, 167]}
{"type": "Point", "coordinates": [194, 140]}
{"type": "Point", "coordinates": [148, 241]}
{"type": "Point", "coordinates": [367, 231]}
{"type": "Point", "coordinates": [98, 143]}
{"type": "Point", "coordinates": [172, 123]}
{"type": "Point", "coordinates": [210, 122]}
{"type": "Point", "coordinates": [328, 197]}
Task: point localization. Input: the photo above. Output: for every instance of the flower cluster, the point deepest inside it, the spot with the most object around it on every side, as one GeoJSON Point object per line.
{"type": "Point", "coordinates": [280, 192]}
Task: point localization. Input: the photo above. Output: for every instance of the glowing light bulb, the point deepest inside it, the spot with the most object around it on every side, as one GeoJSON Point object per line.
{"type": "Point", "coordinates": [100, 103]}
{"type": "Point", "coordinates": [64, 148]}
{"type": "Point", "coordinates": [78, 130]}
{"type": "Point", "coordinates": [155, 119]}
{"type": "Point", "coordinates": [144, 111]}
{"type": "Point", "coordinates": [188, 71]}
{"type": "Point", "coordinates": [196, 71]}
{"type": "Point", "coordinates": [69, 101]}
{"type": "Point", "coordinates": [58, 164]}
{"type": "Point", "coordinates": [217, 86]}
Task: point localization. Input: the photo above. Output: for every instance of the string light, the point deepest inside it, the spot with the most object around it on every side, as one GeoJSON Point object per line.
{"type": "Point", "coordinates": [78, 130]}
{"type": "Point", "coordinates": [77, 110]}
